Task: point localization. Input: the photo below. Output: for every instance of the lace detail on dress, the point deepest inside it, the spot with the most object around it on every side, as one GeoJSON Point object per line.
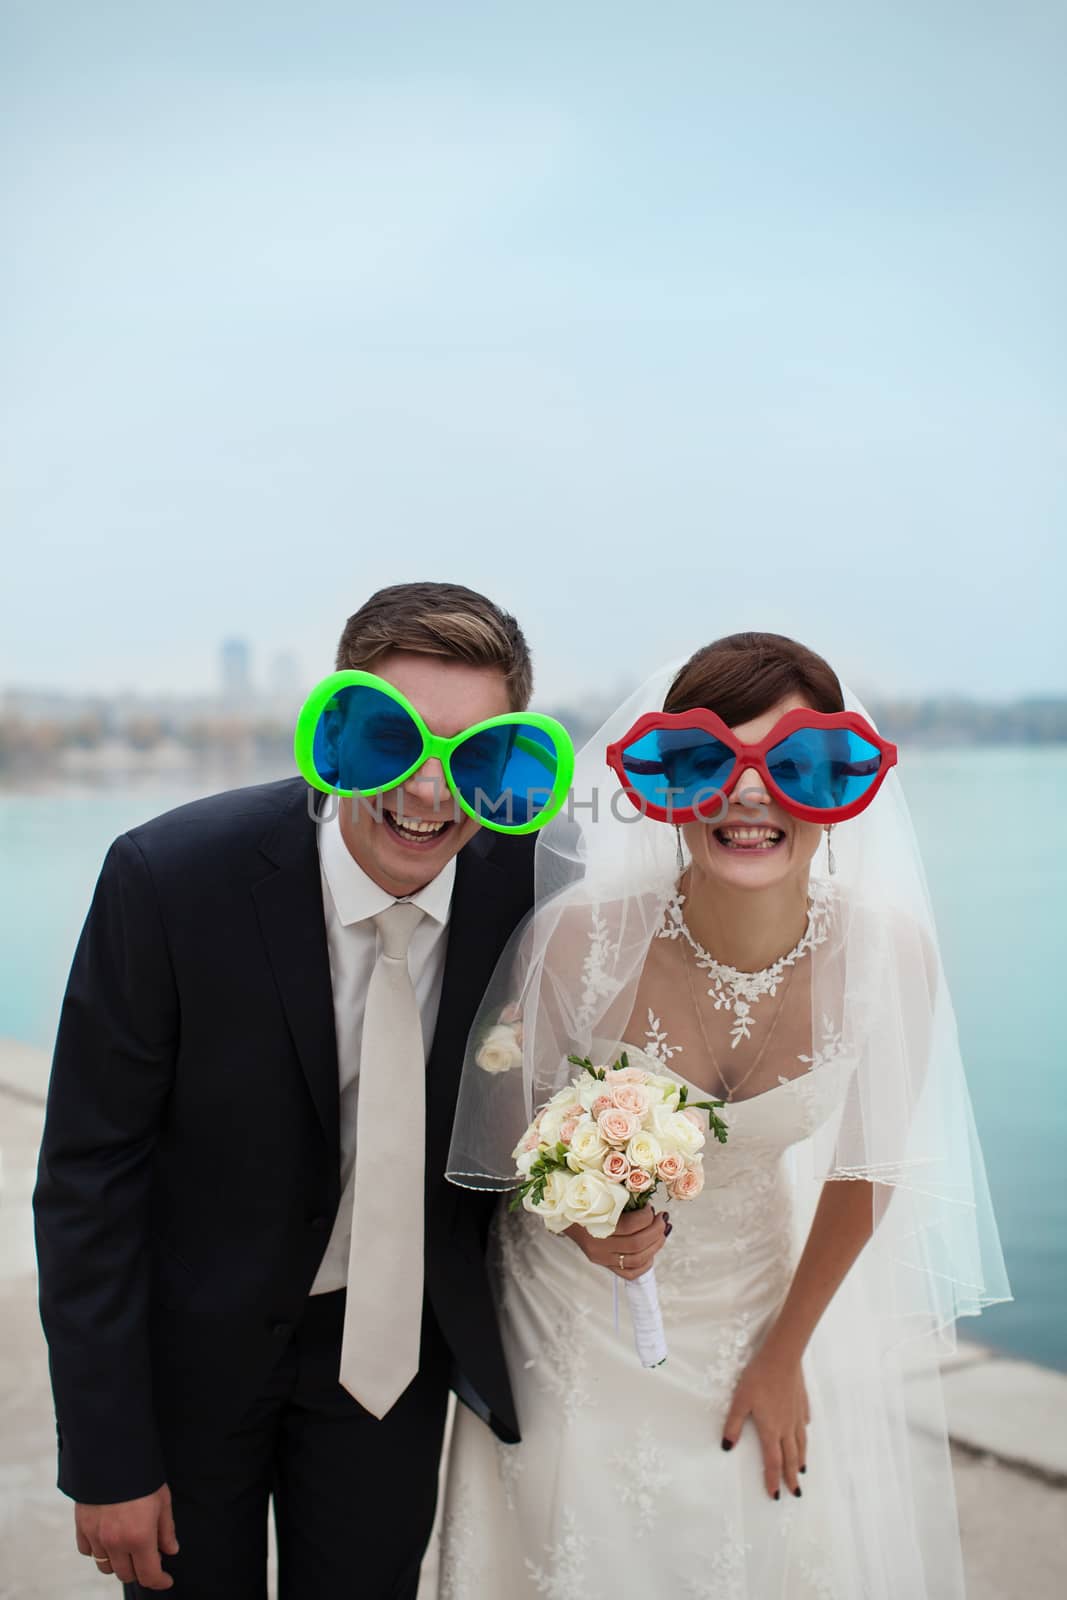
{"type": "Point", "coordinates": [510, 1465]}
{"type": "Point", "coordinates": [818, 1580]}
{"type": "Point", "coordinates": [680, 1267]}
{"type": "Point", "coordinates": [458, 1547]}
{"type": "Point", "coordinates": [831, 1049]}
{"type": "Point", "coordinates": [730, 1354]}
{"type": "Point", "coordinates": [726, 1567]}
{"type": "Point", "coordinates": [643, 1476]}
{"type": "Point", "coordinates": [566, 1573]}
{"type": "Point", "coordinates": [657, 1046]}
{"type": "Point", "coordinates": [560, 1364]}
{"type": "Point", "coordinates": [595, 982]}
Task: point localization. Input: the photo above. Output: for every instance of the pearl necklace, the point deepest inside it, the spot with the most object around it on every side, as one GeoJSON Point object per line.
{"type": "Point", "coordinates": [735, 991]}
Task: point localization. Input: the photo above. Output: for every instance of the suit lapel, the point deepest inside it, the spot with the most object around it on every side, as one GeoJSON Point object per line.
{"type": "Point", "coordinates": [289, 907]}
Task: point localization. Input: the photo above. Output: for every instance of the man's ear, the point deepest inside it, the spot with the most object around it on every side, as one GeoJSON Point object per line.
{"type": "Point", "coordinates": [331, 725]}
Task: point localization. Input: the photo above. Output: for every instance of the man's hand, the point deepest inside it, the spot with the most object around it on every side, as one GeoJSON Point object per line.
{"type": "Point", "coordinates": [632, 1248]}
{"type": "Point", "coordinates": [127, 1539]}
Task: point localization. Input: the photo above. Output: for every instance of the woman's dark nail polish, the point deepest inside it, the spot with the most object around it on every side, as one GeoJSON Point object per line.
{"type": "Point", "coordinates": [668, 1230]}
{"type": "Point", "coordinates": [778, 1494]}
{"type": "Point", "coordinates": [803, 1469]}
{"type": "Point", "coordinates": [798, 1491]}
{"type": "Point", "coordinates": [728, 1444]}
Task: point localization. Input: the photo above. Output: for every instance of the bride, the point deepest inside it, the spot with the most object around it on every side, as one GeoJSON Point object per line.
{"type": "Point", "coordinates": [773, 949]}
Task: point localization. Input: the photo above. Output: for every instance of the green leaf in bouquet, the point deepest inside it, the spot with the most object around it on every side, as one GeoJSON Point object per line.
{"type": "Point", "coordinates": [586, 1065]}
{"type": "Point", "coordinates": [716, 1126]}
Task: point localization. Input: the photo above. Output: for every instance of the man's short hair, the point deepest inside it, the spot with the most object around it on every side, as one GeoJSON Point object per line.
{"type": "Point", "coordinates": [439, 619]}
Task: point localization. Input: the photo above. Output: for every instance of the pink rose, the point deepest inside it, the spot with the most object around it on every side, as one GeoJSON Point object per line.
{"type": "Point", "coordinates": [616, 1167]}
{"type": "Point", "coordinates": [638, 1180]}
{"type": "Point", "coordinates": [603, 1102]}
{"type": "Point", "coordinates": [689, 1184]}
{"type": "Point", "coordinates": [532, 1140]}
{"type": "Point", "coordinates": [629, 1075]}
{"type": "Point", "coordinates": [566, 1132]}
{"type": "Point", "coordinates": [670, 1169]}
{"type": "Point", "coordinates": [630, 1097]}
{"type": "Point", "coordinates": [696, 1118]}
{"type": "Point", "coordinates": [618, 1127]}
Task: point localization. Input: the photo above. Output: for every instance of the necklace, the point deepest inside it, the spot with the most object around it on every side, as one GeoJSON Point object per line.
{"type": "Point", "coordinates": [760, 1053]}
{"type": "Point", "coordinates": [736, 991]}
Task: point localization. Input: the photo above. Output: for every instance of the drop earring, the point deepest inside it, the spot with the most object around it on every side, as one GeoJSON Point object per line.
{"type": "Point", "coordinates": [830, 862]}
{"type": "Point", "coordinates": [678, 841]}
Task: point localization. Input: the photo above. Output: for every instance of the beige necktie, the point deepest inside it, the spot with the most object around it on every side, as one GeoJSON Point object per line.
{"type": "Point", "coordinates": [383, 1309]}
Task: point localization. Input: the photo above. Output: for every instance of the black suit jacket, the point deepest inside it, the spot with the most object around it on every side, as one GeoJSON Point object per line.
{"type": "Point", "coordinates": [190, 1169]}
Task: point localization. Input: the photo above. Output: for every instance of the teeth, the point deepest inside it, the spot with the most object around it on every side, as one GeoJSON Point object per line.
{"type": "Point", "coordinates": [750, 838]}
{"type": "Point", "coordinates": [416, 826]}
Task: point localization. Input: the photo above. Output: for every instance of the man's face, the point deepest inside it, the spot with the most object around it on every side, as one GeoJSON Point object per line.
{"type": "Point", "coordinates": [404, 837]}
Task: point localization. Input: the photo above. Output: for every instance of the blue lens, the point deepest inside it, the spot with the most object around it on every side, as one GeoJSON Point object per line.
{"type": "Point", "coordinates": [506, 773]}
{"type": "Point", "coordinates": [364, 740]}
{"type": "Point", "coordinates": [677, 768]}
{"type": "Point", "coordinates": [826, 768]}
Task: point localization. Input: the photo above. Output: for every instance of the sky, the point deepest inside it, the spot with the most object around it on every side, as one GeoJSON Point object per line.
{"type": "Point", "coordinates": [652, 323]}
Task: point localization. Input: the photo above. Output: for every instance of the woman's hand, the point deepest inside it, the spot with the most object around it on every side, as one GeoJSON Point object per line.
{"type": "Point", "coordinates": [632, 1248]}
{"type": "Point", "coordinates": [771, 1391]}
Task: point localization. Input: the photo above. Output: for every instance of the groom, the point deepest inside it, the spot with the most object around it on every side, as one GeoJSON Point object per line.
{"type": "Point", "coordinates": [194, 1207]}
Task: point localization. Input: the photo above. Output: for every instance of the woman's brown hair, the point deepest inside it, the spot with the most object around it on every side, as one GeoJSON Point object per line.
{"type": "Point", "coordinates": [746, 674]}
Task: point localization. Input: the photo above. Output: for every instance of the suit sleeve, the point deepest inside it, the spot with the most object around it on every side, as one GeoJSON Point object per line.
{"type": "Point", "coordinates": [111, 1075]}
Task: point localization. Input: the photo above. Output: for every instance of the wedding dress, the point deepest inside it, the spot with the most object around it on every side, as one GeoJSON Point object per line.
{"type": "Point", "coordinates": [620, 1486]}
{"type": "Point", "coordinates": [620, 1489]}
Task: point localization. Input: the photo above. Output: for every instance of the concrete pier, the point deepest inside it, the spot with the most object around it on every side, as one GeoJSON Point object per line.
{"type": "Point", "coordinates": [1007, 1418]}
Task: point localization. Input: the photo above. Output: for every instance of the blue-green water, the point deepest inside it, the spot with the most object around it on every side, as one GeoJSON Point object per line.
{"type": "Point", "coordinates": [998, 876]}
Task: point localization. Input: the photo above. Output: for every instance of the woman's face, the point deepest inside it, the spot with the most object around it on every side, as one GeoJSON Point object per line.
{"type": "Point", "coordinates": [756, 844]}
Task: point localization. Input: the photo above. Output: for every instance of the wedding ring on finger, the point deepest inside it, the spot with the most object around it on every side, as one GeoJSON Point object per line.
{"type": "Point", "coordinates": [622, 1262]}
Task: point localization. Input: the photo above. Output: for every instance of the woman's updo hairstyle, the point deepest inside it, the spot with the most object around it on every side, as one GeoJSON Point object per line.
{"type": "Point", "coordinates": [744, 675]}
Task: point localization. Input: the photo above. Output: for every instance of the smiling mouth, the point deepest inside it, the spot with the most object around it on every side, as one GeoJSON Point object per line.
{"type": "Point", "coordinates": [417, 833]}
{"type": "Point", "coordinates": [749, 839]}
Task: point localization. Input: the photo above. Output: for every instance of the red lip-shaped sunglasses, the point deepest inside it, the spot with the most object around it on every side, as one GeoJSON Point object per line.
{"type": "Point", "coordinates": [676, 766]}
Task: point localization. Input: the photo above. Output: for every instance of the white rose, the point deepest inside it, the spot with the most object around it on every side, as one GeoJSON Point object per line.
{"type": "Point", "coordinates": [589, 1089]}
{"type": "Point", "coordinates": [553, 1208]}
{"type": "Point", "coordinates": [524, 1160]}
{"type": "Point", "coordinates": [644, 1150]}
{"type": "Point", "coordinates": [664, 1091]}
{"type": "Point", "coordinates": [587, 1147]}
{"type": "Point", "coordinates": [500, 1050]}
{"type": "Point", "coordinates": [555, 1115]}
{"type": "Point", "coordinates": [675, 1131]}
{"type": "Point", "coordinates": [595, 1203]}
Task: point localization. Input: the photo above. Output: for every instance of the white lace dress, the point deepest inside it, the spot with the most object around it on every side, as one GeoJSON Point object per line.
{"type": "Point", "coordinates": [620, 1488]}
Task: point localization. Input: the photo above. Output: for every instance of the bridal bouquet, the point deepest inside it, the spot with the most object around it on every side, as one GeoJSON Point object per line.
{"type": "Point", "coordinates": [604, 1145]}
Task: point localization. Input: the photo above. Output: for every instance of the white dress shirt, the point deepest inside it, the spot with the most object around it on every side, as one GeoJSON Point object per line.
{"type": "Point", "coordinates": [349, 900]}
